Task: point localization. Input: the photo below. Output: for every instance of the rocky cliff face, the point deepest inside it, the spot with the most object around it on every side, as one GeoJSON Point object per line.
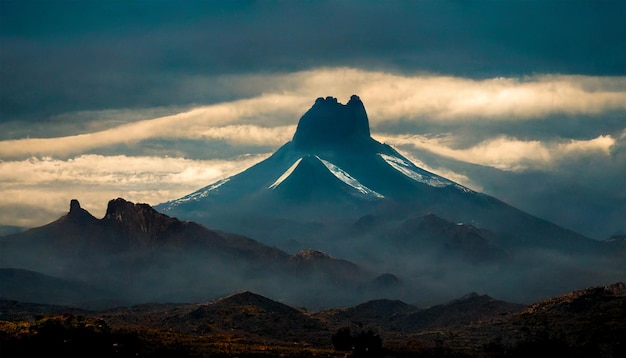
{"type": "Point", "coordinates": [140, 254]}
{"type": "Point", "coordinates": [329, 123]}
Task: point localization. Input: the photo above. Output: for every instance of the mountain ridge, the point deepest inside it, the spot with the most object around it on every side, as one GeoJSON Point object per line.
{"type": "Point", "coordinates": [367, 207]}
{"type": "Point", "coordinates": [582, 323]}
{"type": "Point", "coordinates": [146, 255]}
{"type": "Point", "coordinates": [384, 177]}
{"type": "Point", "coordinates": [312, 190]}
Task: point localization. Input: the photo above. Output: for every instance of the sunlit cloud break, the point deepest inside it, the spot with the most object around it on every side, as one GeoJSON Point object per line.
{"type": "Point", "coordinates": [49, 183]}
{"type": "Point", "coordinates": [452, 98]}
{"type": "Point", "coordinates": [269, 118]}
{"type": "Point", "coordinates": [509, 153]}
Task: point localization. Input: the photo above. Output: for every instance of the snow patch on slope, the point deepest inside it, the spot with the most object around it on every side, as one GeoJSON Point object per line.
{"type": "Point", "coordinates": [202, 193]}
{"type": "Point", "coordinates": [285, 175]}
{"type": "Point", "coordinates": [405, 168]}
{"type": "Point", "coordinates": [348, 179]}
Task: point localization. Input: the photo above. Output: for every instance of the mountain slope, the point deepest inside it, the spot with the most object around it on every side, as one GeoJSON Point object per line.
{"type": "Point", "coordinates": [139, 254]}
{"type": "Point", "coordinates": [130, 227]}
{"type": "Point", "coordinates": [457, 240]}
{"type": "Point", "coordinates": [584, 323]}
{"type": "Point", "coordinates": [256, 314]}
{"type": "Point", "coordinates": [439, 238]}
{"type": "Point", "coordinates": [337, 136]}
{"type": "Point", "coordinates": [465, 310]}
{"type": "Point", "coordinates": [34, 287]}
{"type": "Point", "coordinates": [359, 176]}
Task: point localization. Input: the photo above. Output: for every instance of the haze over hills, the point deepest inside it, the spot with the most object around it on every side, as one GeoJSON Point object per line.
{"type": "Point", "coordinates": [335, 217]}
{"type": "Point", "coordinates": [136, 254]}
{"type": "Point", "coordinates": [334, 171]}
{"type": "Point", "coordinates": [313, 178]}
{"type": "Point", "coordinates": [335, 188]}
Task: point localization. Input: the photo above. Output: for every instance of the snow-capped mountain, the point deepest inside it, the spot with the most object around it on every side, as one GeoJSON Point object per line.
{"type": "Point", "coordinates": [334, 171]}
{"type": "Point", "coordinates": [334, 188]}
{"type": "Point", "coordinates": [331, 159]}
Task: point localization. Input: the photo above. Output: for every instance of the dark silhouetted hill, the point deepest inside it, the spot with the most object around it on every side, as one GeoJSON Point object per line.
{"type": "Point", "coordinates": [137, 254]}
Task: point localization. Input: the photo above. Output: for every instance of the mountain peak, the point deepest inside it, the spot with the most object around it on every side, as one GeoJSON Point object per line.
{"type": "Point", "coordinates": [329, 123]}
{"type": "Point", "coordinates": [74, 205]}
{"type": "Point", "coordinates": [125, 211]}
{"type": "Point", "coordinates": [312, 255]}
{"type": "Point", "coordinates": [118, 207]}
{"type": "Point", "coordinates": [78, 214]}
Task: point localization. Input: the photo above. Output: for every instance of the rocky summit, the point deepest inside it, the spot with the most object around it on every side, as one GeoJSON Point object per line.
{"type": "Point", "coordinates": [335, 188]}
{"type": "Point", "coordinates": [329, 123]}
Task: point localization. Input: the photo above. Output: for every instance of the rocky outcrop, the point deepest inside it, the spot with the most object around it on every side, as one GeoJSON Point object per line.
{"type": "Point", "coordinates": [79, 215]}
{"type": "Point", "coordinates": [329, 123]}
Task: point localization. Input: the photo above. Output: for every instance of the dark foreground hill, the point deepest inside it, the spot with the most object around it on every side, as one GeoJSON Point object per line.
{"type": "Point", "coordinates": [586, 323]}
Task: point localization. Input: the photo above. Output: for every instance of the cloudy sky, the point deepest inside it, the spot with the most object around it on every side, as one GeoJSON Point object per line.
{"type": "Point", "coordinates": [150, 100]}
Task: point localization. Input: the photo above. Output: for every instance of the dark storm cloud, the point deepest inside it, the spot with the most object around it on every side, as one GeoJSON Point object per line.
{"type": "Point", "coordinates": [66, 56]}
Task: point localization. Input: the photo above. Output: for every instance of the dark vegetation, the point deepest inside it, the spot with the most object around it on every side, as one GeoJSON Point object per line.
{"type": "Point", "coordinates": [587, 323]}
{"type": "Point", "coordinates": [363, 344]}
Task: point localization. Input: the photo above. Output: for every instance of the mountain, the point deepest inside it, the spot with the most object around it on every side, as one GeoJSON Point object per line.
{"type": "Point", "coordinates": [335, 188]}
{"type": "Point", "coordinates": [331, 160]}
{"type": "Point", "coordinates": [334, 171]}
{"type": "Point", "coordinates": [310, 261]}
{"type": "Point", "coordinates": [617, 243]}
{"type": "Point", "coordinates": [395, 315]}
{"type": "Point", "coordinates": [584, 323]}
{"type": "Point", "coordinates": [456, 240]}
{"type": "Point", "coordinates": [345, 207]}
{"type": "Point", "coordinates": [256, 314]}
{"type": "Point", "coordinates": [12, 310]}
{"type": "Point", "coordinates": [34, 287]}
{"type": "Point", "coordinates": [319, 128]}
{"type": "Point", "coordinates": [377, 313]}
{"type": "Point", "coordinates": [465, 310]}
{"type": "Point", "coordinates": [126, 227]}
{"type": "Point", "coordinates": [136, 254]}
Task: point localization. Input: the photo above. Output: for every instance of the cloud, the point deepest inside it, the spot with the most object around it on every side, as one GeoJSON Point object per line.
{"type": "Point", "coordinates": [444, 98]}
{"type": "Point", "coordinates": [508, 153]}
{"type": "Point", "coordinates": [267, 119]}
{"type": "Point", "coordinates": [392, 96]}
{"type": "Point", "coordinates": [250, 135]}
{"type": "Point", "coordinates": [558, 125]}
{"type": "Point", "coordinates": [210, 122]}
{"type": "Point", "coordinates": [45, 185]}
{"type": "Point", "coordinates": [66, 56]}
{"type": "Point", "coordinates": [600, 144]}
{"type": "Point", "coordinates": [581, 187]}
